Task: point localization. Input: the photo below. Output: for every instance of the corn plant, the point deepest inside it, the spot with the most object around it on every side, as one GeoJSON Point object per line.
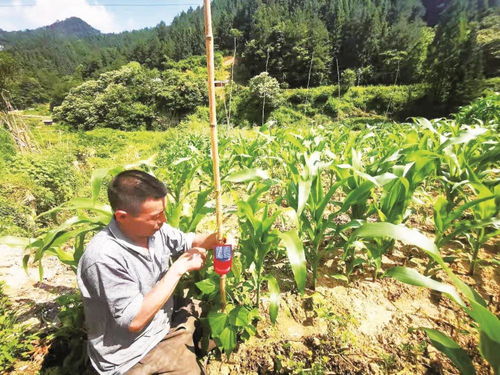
{"type": "Point", "coordinates": [181, 183]}
{"type": "Point", "coordinates": [92, 216]}
{"type": "Point", "coordinates": [257, 238]}
{"type": "Point", "coordinates": [358, 185]}
{"type": "Point", "coordinates": [463, 151]}
{"type": "Point", "coordinates": [487, 324]}
{"type": "Point", "coordinates": [237, 321]}
{"type": "Point", "coordinates": [398, 193]}
{"type": "Point", "coordinates": [306, 195]}
{"type": "Point", "coordinates": [360, 202]}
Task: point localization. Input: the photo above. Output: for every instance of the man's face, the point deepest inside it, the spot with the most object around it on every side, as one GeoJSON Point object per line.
{"type": "Point", "coordinates": [146, 222]}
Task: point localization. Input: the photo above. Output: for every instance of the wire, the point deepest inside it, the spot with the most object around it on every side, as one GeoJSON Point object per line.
{"type": "Point", "coordinates": [109, 5]}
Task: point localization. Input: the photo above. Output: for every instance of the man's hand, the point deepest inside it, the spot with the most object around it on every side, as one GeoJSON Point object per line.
{"type": "Point", "coordinates": [209, 241]}
{"type": "Point", "coordinates": [191, 260]}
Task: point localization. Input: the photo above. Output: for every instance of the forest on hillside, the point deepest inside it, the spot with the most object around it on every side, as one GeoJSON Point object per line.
{"type": "Point", "coordinates": [450, 44]}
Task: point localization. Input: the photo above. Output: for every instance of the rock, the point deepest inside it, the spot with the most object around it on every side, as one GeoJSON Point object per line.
{"type": "Point", "coordinates": [374, 368]}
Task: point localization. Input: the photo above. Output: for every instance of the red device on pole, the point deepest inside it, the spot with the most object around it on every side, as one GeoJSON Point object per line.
{"type": "Point", "coordinates": [223, 259]}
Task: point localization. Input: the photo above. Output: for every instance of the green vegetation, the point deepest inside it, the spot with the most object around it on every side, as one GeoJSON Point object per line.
{"type": "Point", "coordinates": [131, 98]}
{"type": "Point", "coordinates": [16, 340]}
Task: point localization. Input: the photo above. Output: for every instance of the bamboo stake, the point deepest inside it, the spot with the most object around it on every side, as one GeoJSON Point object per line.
{"type": "Point", "coordinates": [209, 43]}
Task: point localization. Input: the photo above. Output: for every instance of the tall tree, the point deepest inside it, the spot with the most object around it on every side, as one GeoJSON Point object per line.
{"type": "Point", "coordinates": [454, 60]}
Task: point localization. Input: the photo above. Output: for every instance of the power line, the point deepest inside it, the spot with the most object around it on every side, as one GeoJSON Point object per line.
{"type": "Point", "coordinates": [109, 5]}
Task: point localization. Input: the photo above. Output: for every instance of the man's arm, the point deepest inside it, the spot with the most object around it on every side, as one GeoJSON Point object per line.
{"type": "Point", "coordinates": [155, 299]}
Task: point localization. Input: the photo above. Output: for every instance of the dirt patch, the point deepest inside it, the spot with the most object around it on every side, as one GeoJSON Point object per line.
{"type": "Point", "coordinates": [365, 327]}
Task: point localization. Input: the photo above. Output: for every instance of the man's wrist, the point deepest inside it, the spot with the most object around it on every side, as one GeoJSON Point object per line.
{"type": "Point", "coordinates": [177, 270]}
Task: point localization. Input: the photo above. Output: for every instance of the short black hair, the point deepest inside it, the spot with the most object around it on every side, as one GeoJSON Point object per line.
{"type": "Point", "coordinates": [129, 189]}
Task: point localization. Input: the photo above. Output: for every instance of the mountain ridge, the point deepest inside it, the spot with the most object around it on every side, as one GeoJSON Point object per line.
{"type": "Point", "coordinates": [72, 26]}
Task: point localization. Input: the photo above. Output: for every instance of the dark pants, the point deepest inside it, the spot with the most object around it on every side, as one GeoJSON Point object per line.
{"type": "Point", "coordinates": [175, 353]}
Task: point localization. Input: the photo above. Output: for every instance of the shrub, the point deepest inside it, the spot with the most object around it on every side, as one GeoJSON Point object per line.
{"type": "Point", "coordinates": [287, 116]}
{"type": "Point", "coordinates": [263, 90]}
{"type": "Point", "coordinates": [132, 98]}
{"type": "Point", "coordinates": [7, 147]}
{"type": "Point", "coordinates": [198, 120]}
{"type": "Point", "coordinates": [347, 79]}
{"type": "Point", "coordinates": [483, 109]}
{"type": "Point", "coordinates": [181, 92]}
{"type": "Point", "coordinates": [15, 218]}
{"type": "Point", "coordinates": [68, 349]}
{"type": "Point", "coordinates": [340, 109]}
{"type": "Point", "coordinates": [119, 99]}
{"type": "Point", "coordinates": [263, 86]}
{"type": "Point", "coordinates": [16, 341]}
{"type": "Point", "coordinates": [316, 95]}
{"type": "Point", "coordinates": [54, 181]}
{"type": "Point", "coordinates": [398, 101]}
{"type": "Point", "coordinates": [491, 85]}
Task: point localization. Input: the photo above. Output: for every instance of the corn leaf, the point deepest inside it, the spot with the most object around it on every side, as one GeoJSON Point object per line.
{"type": "Point", "coordinates": [410, 276]}
{"type": "Point", "coordinates": [97, 178]}
{"type": "Point", "coordinates": [489, 334]}
{"type": "Point", "coordinates": [452, 350]}
{"type": "Point", "coordinates": [296, 257]}
{"type": "Point", "coordinates": [13, 241]}
{"type": "Point", "coordinates": [274, 297]}
{"type": "Point", "coordinates": [401, 233]}
{"type": "Point", "coordinates": [247, 175]}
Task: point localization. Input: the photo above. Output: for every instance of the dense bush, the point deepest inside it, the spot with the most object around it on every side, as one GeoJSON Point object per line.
{"type": "Point", "coordinates": [340, 109]}
{"type": "Point", "coordinates": [180, 92]}
{"type": "Point", "coordinates": [15, 217]}
{"type": "Point", "coordinates": [261, 97]}
{"type": "Point", "coordinates": [348, 79]}
{"type": "Point", "coordinates": [68, 349]}
{"type": "Point", "coordinates": [398, 101]}
{"type": "Point", "coordinates": [263, 86]}
{"type": "Point", "coordinates": [316, 95]}
{"type": "Point", "coordinates": [119, 99]}
{"type": "Point", "coordinates": [132, 98]}
{"type": "Point", "coordinates": [7, 147]}
{"type": "Point", "coordinates": [393, 101]}
{"type": "Point", "coordinates": [485, 109]}
{"type": "Point", "coordinates": [16, 341]}
{"type": "Point", "coordinates": [286, 116]}
{"type": "Point", "coordinates": [193, 62]}
{"type": "Point", "coordinates": [53, 179]}
{"type": "Point", "coordinates": [27, 91]}
{"type": "Point", "coordinates": [492, 85]}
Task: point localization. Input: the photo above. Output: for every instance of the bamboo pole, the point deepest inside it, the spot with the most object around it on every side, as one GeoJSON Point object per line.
{"type": "Point", "coordinates": [209, 43]}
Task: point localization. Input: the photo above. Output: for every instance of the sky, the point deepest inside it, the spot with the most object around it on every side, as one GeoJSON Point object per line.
{"type": "Point", "coordinates": [108, 16]}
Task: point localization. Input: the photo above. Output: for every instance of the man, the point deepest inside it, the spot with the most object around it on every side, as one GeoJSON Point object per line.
{"type": "Point", "coordinates": [127, 277]}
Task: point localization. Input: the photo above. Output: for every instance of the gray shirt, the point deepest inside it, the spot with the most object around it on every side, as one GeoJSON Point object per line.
{"type": "Point", "coordinates": [114, 275]}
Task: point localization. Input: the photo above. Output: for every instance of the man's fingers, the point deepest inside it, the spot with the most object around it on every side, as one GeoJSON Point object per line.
{"type": "Point", "coordinates": [198, 250]}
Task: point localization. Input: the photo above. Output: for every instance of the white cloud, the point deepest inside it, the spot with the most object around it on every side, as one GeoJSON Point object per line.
{"type": "Point", "coordinates": [46, 12]}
